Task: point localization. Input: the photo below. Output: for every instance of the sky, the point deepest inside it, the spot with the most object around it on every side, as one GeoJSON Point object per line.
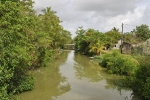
{"type": "Point", "coordinates": [100, 15]}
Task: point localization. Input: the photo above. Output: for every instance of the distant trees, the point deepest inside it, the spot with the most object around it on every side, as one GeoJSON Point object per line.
{"type": "Point", "coordinates": [112, 37]}
{"type": "Point", "coordinates": [92, 42]}
{"type": "Point", "coordinates": [142, 32]}
{"type": "Point", "coordinates": [139, 34]}
{"type": "Point", "coordinates": [130, 38]}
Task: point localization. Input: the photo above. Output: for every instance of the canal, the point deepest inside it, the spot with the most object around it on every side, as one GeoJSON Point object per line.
{"type": "Point", "coordinates": [75, 77]}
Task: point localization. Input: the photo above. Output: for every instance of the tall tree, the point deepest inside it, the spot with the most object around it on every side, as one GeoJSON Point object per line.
{"type": "Point", "coordinates": [80, 42]}
{"type": "Point", "coordinates": [115, 29]}
{"type": "Point", "coordinates": [15, 49]}
{"type": "Point", "coordinates": [90, 41]}
{"type": "Point", "coordinates": [112, 37]}
{"type": "Point", "coordinates": [51, 26]}
{"type": "Point", "coordinates": [142, 32]}
{"type": "Point", "coordinates": [26, 41]}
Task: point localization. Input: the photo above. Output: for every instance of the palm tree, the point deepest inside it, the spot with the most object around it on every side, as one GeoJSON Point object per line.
{"type": "Point", "coordinates": [98, 47]}
{"type": "Point", "coordinates": [48, 10]}
{"type": "Point", "coordinates": [115, 29]}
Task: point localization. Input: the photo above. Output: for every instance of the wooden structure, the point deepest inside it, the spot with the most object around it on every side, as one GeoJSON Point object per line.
{"type": "Point", "coordinates": [69, 46]}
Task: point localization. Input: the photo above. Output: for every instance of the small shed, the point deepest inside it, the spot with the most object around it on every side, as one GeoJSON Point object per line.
{"type": "Point", "coordinates": [127, 48]}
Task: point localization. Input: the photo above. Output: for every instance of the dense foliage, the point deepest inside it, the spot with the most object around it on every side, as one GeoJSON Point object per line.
{"type": "Point", "coordinates": [92, 42]}
{"type": "Point", "coordinates": [140, 82]}
{"type": "Point", "coordinates": [26, 41]}
{"type": "Point", "coordinates": [136, 68]}
{"type": "Point", "coordinates": [117, 63]}
{"type": "Point", "coordinates": [112, 37]}
{"type": "Point", "coordinates": [130, 38]}
{"type": "Point", "coordinates": [139, 34]}
{"type": "Point", "coordinates": [142, 32]}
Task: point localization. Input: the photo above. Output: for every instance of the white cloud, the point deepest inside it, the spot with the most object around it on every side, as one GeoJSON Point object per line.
{"type": "Point", "coordinates": [106, 7]}
{"type": "Point", "coordinates": [130, 19]}
{"type": "Point", "coordinates": [101, 15]}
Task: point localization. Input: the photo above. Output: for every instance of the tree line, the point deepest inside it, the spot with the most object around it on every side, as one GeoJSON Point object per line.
{"type": "Point", "coordinates": [92, 42]}
{"type": "Point", "coordinates": [27, 40]}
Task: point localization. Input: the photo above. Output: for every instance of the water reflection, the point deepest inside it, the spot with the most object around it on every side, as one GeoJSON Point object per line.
{"type": "Point", "coordinates": [86, 68]}
{"type": "Point", "coordinates": [49, 82]}
{"type": "Point", "coordinates": [74, 77]}
{"type": "Point", "coordinates": [90, 69]}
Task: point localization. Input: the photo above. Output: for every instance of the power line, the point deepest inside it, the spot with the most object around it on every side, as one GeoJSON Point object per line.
{"type": "Point", "coordinates": [130, 25]}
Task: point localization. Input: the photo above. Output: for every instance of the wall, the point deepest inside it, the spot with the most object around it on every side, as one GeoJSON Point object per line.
{"type": "Point", "coordinates": [146, 47]}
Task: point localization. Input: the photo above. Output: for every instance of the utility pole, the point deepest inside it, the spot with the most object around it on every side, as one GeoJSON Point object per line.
{"type": "Point", "coordinates": [121, 39]}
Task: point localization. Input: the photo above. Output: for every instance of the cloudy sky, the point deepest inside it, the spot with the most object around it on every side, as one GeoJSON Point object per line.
{"type": "Point", "coordinates": [100, 15]}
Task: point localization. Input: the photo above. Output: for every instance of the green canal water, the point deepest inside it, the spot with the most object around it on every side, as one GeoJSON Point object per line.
{"type": "Point", "coordinates": [75, 77]}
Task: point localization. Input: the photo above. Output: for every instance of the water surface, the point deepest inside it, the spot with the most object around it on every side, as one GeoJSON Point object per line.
{"type": "Point", "coordinates": [75, 77]}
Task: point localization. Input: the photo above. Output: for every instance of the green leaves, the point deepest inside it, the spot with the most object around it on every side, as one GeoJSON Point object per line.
{"type": "Point", "coordinates": [142, 32]}
{"type": "Point", "coordinates": [15, 58]}
{"type": "Point", "coordinates": [119, 64]}
{"type": "Point", "coordinates": [23, 33]}
{"type": "Point", "coordinates": [90, 42]}
{"type": "Point", "coordinates": [112, 37]}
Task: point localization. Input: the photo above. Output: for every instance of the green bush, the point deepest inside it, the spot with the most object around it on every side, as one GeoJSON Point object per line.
{"type": "Point", "coordinates": [5, 76]}
{"type": "Point", "coordinates": [45, 55]}
{"type": "Point", "coordinates": [140, 82]}
{"type": "Point", "coordinates": [105, 59]}
{"type": "Point", "coordinates": [26, 84]}
{"type": "Point", "coordinates": [117, 63]}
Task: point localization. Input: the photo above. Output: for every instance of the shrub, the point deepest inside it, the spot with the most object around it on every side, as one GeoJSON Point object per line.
{"type": "Point", "coordinates": [142, 77]}
{"type": "Point", "coordinates": [26, 84]}
{"type": "Point", "coordinates": [105, 59]}
{"type": "Point", "coordinates": [140, 82]}
{"type": "Point", "coordinates": [117, 63]}
{"type": "Point", "coordinates": [5, 76]}
{"type": "Point", "coordinates": [45, 55]}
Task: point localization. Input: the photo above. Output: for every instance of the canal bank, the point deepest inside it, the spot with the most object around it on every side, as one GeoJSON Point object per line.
{"type": "Point", "coordinates": [75, 77]}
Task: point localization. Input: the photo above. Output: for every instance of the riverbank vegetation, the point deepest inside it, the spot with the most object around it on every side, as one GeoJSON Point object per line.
{"type": "Point", "coordinates": [140, 81]}
{"type": "Point", "coordinates": [92, 42]}
{"type": "Point", "coordinates": [117, 63]}
{"type": "Point", "coordinates": [135, 67]}
{"type": "Point", "coordinates": [27, 40]}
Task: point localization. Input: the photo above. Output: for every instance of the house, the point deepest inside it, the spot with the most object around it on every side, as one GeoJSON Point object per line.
{"type": "Point", "coordinates": [117, 45]}
{"type": "Point", "coordinates": [146, 47]}
{"type": "Point", "coordinates": [126, 47]}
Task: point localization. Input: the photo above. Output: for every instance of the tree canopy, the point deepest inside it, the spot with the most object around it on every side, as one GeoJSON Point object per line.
{"type": "Point", "coordinates": [142, 32]}
{"type": "Point", "coordinates": [27, 41]}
